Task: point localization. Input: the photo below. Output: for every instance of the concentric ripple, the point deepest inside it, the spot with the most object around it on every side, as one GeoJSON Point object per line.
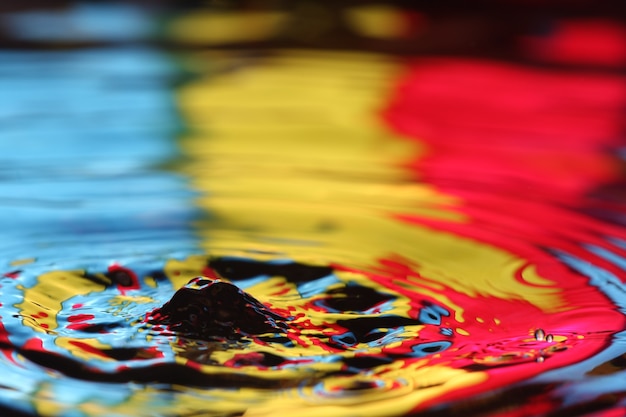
{"type": "Point", "coordinates": [275, 329]}
{"type": "Point", "coordinates": [341, 234]}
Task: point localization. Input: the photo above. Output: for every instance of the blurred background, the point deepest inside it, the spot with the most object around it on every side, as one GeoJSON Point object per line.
{"type": "Point", "coordinates": [575, 32]}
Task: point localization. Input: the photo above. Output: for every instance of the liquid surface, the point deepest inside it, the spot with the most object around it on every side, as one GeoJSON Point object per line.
{"type": "Point", "coordinates": [307, 232]}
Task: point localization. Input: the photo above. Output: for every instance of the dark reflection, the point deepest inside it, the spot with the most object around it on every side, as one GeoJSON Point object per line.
{"type": "Point", "coordinates": [240, 269]}
{"type": "Point", "coordinates": [354, 297]}
{"type": "Point", "coordinates": [487, 28]}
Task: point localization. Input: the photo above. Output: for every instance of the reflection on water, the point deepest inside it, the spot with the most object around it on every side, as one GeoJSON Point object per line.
{"type": "Point", "coordinates": [83, 132]}
{"type": "Point", "coordinates": [375, 235]}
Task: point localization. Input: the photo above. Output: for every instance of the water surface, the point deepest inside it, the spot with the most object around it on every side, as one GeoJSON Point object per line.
{"type": "Point", "coordinates": [376, 235]}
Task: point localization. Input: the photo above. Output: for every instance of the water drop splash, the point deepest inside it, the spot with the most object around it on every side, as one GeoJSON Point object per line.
{"type": "Point", "coordinates": [540, 335]}
{"type": "Point", "coordinates": [206, 308]}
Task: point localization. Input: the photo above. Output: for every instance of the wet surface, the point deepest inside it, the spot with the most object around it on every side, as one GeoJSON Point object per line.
{"type": "Point", "coordinates": [272, 232]}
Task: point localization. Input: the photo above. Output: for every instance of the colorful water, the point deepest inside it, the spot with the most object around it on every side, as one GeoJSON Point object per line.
{"type": "Point", "coordinates": [303, 231]}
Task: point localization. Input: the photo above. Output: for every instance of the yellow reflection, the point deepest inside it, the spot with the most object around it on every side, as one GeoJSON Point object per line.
{"type": "Point", "coordinates": [43, 301]}
{"type": "Point", "coordinates": [218, 27]}
{"type": "Point", "coordinates": [292, 161]}
{"type": "Point", "coordinates": [213, 27]}
{"type": "Point", "coordinates": [378, 21]}
{"type": "Point", "coordinates": [21, 262]}
{"type": "Point", "coordinates": [85, 349]}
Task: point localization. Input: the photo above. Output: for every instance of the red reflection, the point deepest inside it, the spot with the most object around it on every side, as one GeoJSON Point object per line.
{"type": "Point", "coordinates": [585, 42]}
{"type": "Point", "coordinates": [503, 125]}
{"type": "Point", "coordinates": [509, 139]}
{"type": "Point", "coordinates": [524, 149]}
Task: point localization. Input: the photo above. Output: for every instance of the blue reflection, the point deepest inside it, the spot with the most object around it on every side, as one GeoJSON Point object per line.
{"type": "Point", "coordinates": [87, 22]}
{"type": "Point", "coordinates": [318, 286]}
{"type": "Point", "coordinates": [599, 277]}
{"type": "Point", "coordinates": [429, 348]}
{"type": "Point", "coordinates": [432, 314]}
{"type": "Point", "coordinates": [576, 374]}
{"type": "Point", "coordinates": [608, 255]}
{"type": "Point", "coordinates": [81, 135]}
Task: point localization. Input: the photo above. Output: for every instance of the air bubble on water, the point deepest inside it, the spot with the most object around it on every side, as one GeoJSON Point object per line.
{"type": "Point", "coordinates": [549, 338]}
{"type": "Point", "coordinates": [540, 335]}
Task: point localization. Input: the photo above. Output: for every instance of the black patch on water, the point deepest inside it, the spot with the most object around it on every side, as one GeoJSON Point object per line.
{"type": "Point", "coordinates": [269, 359]}
{"type": "Point", "coordinates": [366, 362]}
{"type": "Point", "coordinates": [236, 270]}
{"type": "Point", "coordinates": [432, 349]}
{"type": "Point", "coordinates": [97, 279]}
{"type": "Point", "coordinates": [121, 278]}
{"type": "Point", "coordinates": [158, 276]}
{"type": "Point", "coordinates": [8, 411]}
{"type": "Point", "coordinates": [122, 354]}
{"type": "Point", "coordinates": [355, 298]}
{"type": "Point", "coordinates": [99, 328]}
{"type": "Point", "coordinates": [285, 341]}
{"type": "Point", "coordinates": [361, 385]}
{"type": "Point", "coordinates": [159, 373]}
{"type": "Point", "coordinates": [172, 374]}
{"type": "Point", "coordinates": [366, 329]}
{"type": "Point", "coordinates": [432, 316]}
{"type": "Point", "coordinates": [619, 362]}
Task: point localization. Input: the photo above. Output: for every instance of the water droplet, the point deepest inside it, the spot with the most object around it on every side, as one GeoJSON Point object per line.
{"type": "Point", "coordinates": [540, 335]}
{"type": "Point", "coordinates": [540, 359]}
{"type": "Point", "coordinates": [549, 338]}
